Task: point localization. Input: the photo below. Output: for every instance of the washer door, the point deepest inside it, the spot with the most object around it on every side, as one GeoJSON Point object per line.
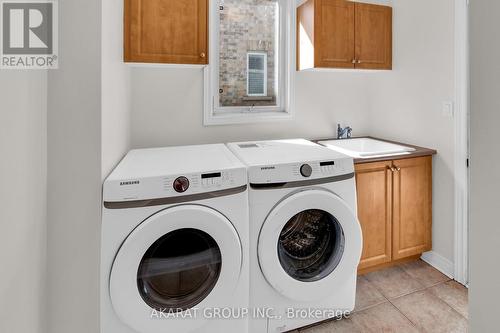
{"type": "Point", "coordinates": [183, 258]}
{"type": "Point", "coordinates": [310, 243]}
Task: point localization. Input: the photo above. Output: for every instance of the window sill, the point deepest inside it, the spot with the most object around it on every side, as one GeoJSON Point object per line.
{"type": "Point", "coordinates": [257, 98]}
{"type": "Point", "coordinates": [246, 118]}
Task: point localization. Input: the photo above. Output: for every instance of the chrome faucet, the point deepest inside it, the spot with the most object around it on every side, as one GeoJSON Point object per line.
{"type": "Point", "coordinates": [344, 133]}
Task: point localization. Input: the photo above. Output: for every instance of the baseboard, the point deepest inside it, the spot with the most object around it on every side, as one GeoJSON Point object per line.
{"type": "Point", "coordinates": [440, 263]}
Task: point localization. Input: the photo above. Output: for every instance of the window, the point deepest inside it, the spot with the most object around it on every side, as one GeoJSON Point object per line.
{"type": "Point", "coordinates": [256, 74]}
{"type": "Point", "coordinates": [250, 75]}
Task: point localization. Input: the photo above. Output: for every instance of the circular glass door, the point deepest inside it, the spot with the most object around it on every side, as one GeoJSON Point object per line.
{"type": "Point", "coordinates": [179, 270]}
{"type": "Point", "coordinates": [311, 245]}
{"type": "Point", "coordinates": [310, 242]}
{"type": "Point", "coordinates": [181, 258]}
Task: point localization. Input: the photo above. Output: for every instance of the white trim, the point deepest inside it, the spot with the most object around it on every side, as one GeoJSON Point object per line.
{"type": "Point", "coordinates": [213, 115]}
{"type": "Point", "coordinates": [461, 141]}
{"type": "Point", "coordinates": [440, 263]}
{"type": "Point", "coordinates": [263, 55]}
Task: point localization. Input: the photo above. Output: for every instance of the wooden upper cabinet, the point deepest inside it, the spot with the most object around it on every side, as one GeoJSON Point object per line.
{"type": "Point", "coordinates": [334, 34]}
{"type": "Point", "coordinates": [373, 36]}
{"type": "Point", "coordinates": [166, 31]}
{"type": "Point", "coordinates": [412, 207]}
{"type": "Point", "coordinates": [374, 184]}
{"type": "Point", "coordinates": [343, 34]}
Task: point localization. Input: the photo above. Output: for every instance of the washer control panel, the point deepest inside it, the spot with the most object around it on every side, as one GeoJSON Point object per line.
{"type": "Point", "coordinates": [283, 173]}
{"type": "Point", "coordinates": [306, 170]}
{"type": "Point", "coordinates": [327, 167]}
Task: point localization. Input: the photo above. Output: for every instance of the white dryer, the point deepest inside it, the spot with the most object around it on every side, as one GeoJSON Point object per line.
{"type": "Point", "coordinates": [305, 238]}
{"type": "Point", "coordinates": [175, 242]}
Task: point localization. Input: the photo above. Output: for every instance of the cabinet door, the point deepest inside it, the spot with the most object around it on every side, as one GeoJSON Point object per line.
{"type": "Point", "coordinates": [412, 207]}
{"type": "Point", "coordinates": [334, 33]}
{"type": "Point", "coordinates": [166, 31]}
{"type": "Point", "coordinates": [373, 36]}
{"type": "Point", "coordinates": [374, 189]}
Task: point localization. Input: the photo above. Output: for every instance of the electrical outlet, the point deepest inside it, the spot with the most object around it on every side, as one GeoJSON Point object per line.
{"type": "Point", "coordinates": [448, 110]}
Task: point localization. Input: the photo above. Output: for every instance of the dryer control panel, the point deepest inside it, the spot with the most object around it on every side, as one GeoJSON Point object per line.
{"type": "Point", "coordinates": [159, 174]}
{"type": "Point", "coordinates": [174, 185]}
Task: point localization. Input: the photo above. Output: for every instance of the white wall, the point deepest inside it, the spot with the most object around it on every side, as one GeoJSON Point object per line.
{"type": "Point", "coordinates": [23, 151]}
{"type": "Point", "coordinates": [403, 104]}
{"type": "Point", "coordinates": [406, 103]}
{"type": "Point", "coordinates": [167, 108]}
{"type": "Point", "coordinates": [485, 178]}
{"type": "Point", "coordinates": [115, 88]}
{"type": "Point", "coordinates": [88, 124]}
{"type": "Point", "coordinates": [74, 171]}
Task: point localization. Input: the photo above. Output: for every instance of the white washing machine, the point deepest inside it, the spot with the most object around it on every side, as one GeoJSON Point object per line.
{"type": "Point", "coordinates": [175, 242]}
{"type": "Point", "coordinates": [305, 238]}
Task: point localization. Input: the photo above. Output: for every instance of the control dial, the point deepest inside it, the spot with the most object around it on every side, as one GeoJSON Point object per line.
{"type": "Point", "coordinates": [181, 184]}
{"type": "Point", "coordinates": [306, 170]}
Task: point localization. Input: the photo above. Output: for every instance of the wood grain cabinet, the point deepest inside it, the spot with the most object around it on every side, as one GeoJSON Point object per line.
{"type": "Point", "coordinates": [412, 207]}
{"type": "Point", "coordinates": [395, 210]}
{"type": "Point", "coordinates": [374, 184]}
{"type": "Point", "coordinates": [344, 34]}
{"type": "Point", "coordinates": [166, 31]}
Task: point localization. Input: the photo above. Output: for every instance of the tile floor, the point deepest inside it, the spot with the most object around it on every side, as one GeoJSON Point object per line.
{"type": "Point", "coordinates": [412, 297]}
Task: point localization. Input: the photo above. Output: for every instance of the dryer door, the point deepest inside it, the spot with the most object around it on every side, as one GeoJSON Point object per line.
{"type": "Point", "coordinates": [309, 244]}
{"type": "Point", "coordinates": [181, 259]}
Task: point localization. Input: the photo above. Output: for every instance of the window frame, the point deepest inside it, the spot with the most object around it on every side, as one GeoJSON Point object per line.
{"type": "Point", "coordinates": [264, 56]}
{"type": "Point", "coordinates": [213, 114]}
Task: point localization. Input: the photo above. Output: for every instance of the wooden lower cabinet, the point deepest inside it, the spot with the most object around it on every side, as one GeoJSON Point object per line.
{"type": "Point", "coordinates": [412, 207]}
{"type": "Point", "coordinates": [395, 210]}
{"type": "Point", "coordinates": [374, 183]}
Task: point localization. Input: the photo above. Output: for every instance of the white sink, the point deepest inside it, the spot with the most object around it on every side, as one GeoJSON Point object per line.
{"type": "Point", "coordinates": [367, 147]}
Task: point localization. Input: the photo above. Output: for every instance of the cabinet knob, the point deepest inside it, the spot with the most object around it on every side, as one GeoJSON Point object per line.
{"type": "Point", "coordinates": [202, 55]}
{"type": "Point", "coordinates": [359, 61]}
{"type": "Point", "coordinates": [354, 61]}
